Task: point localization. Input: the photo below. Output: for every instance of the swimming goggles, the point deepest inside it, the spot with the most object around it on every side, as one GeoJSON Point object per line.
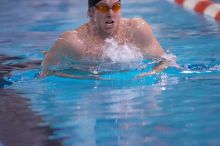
{"type": "Point", "coordinates": [103, 8]}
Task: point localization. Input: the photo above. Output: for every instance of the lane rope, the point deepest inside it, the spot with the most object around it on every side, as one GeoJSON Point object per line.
{"type": "Point", "coordinates": [205, 7]}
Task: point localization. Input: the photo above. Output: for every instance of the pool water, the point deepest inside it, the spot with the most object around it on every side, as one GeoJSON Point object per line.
{"type": "Point", "coordinates": [175, 107]}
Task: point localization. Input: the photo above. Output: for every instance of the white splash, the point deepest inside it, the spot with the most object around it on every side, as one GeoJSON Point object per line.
{"type": "Point", "coordinates": [121, 53]}
{"type": "Point", "coordinates": [215, 68]}
{"type": "Point", "coordinates": [171, 59]}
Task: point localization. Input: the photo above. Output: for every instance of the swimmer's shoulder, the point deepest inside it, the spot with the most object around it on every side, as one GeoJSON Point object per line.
{"type": "Point", "coordinates": [140, 23]}
{"type": "Point", "coordinates": [125, 22]}
{"type": "Point", "coordinates": [141, 32]}
{"type": "Point", "coordinates": [69, 36]}
{"type": "Point", "coordinates": [136, 23]}
{"type": "Point", "coordinates": [72, 35]}
{"type": "Point", "coordinates": [133, 20]}
{"type": "Point", "coordinates": [140, 27]}
{"type": "Point", "coordinates": [71, 41]}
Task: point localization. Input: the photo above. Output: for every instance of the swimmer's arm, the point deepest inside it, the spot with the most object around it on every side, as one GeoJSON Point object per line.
{"type": "Point", "coordinates": [163, 59]}
{"type": "Point", "coordinates": [150, 47]}
{"type": "Point", "coordinates": [53, 57]}
{"type": "Point", "coordinates": [62, 48]}
{"type": "Point", "coordinates": [162, 65]}
{"type": "Point", "coordinates": [156, 52]}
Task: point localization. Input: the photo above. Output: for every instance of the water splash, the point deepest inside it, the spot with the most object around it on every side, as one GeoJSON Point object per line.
{"type": "Point", "coordinates": [122, 54]}
{"type": "Point", "coordinates": [171, 59]}
{"type": "Point", "coordinates": [118, 57]}
{"type": "Point", "coordinates": [200, 68]}
{"type": "Point", "coordinates": [215, 68]}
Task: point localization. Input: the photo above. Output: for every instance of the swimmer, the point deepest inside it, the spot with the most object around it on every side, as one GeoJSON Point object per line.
{"type": "Point", "coordinates": [105, 22]}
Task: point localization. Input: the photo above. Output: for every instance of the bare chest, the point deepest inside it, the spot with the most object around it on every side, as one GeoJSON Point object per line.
{"type": "Point", "coordinates": [94, 46]}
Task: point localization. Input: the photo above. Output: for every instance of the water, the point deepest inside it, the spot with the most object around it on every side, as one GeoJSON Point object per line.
{"type": "Point", "coordinates": [176, 107]}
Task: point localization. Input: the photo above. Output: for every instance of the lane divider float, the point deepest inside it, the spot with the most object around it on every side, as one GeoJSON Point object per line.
{"type": "Point", "coordinates": [206, 7]}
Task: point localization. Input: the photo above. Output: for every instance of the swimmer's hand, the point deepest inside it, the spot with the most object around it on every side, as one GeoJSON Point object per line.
{"type": "Point", "coordinates": [157, 69]}
{"type": "Point", "coordinates": [44, 74]}
{"type": "Point", "coordinates": [162, 65]}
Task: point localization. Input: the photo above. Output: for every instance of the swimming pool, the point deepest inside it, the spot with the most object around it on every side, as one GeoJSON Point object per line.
{"type": "Point", "coordinates": [172, 108]}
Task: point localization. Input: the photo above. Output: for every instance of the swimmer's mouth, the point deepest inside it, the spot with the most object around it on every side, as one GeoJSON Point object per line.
{"type": "Point", "coordinates": [109, 22]}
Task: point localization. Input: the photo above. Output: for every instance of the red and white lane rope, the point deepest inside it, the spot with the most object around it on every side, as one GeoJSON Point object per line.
{"type": "Point", "coordinates": [206, 7]}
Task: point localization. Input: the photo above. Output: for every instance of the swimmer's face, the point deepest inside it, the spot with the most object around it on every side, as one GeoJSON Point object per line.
{"type": "Point", "coordinates": [107, 16]}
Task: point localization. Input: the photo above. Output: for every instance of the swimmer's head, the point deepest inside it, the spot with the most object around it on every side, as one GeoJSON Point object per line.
{"type": "Point", "coordinates": [105, 15]}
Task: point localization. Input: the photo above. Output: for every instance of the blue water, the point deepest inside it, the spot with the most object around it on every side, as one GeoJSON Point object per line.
{"type": "Point", "coordinates": [176, 107]}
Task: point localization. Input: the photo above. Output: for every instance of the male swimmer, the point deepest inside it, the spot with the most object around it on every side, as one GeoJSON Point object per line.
{"type": "Point", "coordinates": [105, 22]}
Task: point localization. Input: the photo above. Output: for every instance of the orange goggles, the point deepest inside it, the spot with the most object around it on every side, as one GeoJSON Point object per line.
{"type": "Point", "coordinates": [103, 8]}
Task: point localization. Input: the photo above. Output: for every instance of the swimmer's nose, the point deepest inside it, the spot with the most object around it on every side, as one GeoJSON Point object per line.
{"type": "Point", "coordinates": [110, 12]}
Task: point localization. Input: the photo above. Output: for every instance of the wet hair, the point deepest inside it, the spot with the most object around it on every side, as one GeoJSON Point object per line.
{"type": "Point", "coordinates": [93, 2]}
